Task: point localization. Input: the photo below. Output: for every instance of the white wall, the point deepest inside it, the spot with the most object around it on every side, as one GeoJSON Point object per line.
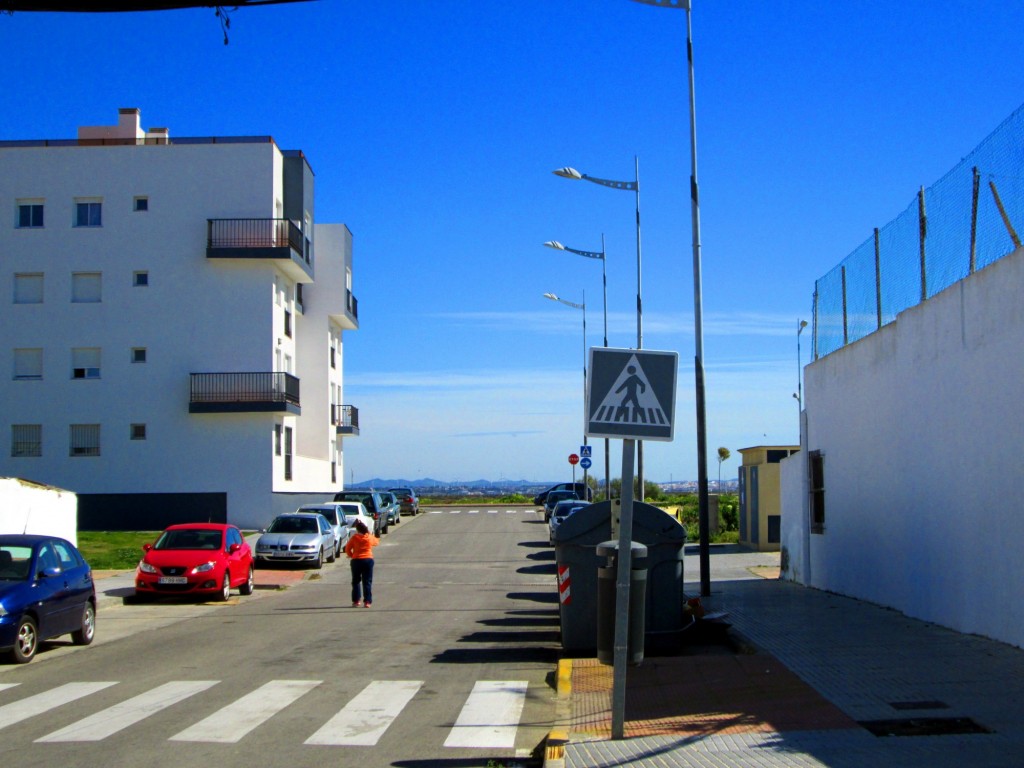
{"type": "Point", "coordinates": [921, 433]}
{"type": "Point", "coordinates": [27, 507]}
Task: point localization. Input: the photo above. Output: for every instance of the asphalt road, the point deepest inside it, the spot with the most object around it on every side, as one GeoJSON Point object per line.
{"type": "Point", "coordinates": [450, 668]}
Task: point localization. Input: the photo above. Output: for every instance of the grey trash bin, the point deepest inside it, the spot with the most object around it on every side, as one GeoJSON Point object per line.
{"type": "Point", "coordinates": [576, 541]}
{"type": "Point", "coordinates": [607, 602]}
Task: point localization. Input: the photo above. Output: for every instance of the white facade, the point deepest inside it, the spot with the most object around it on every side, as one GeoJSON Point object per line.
{"type": "Point", "coordinates": [32, 508]}
{"type": "Point", "coordinates": [919, 431]}
{"type": "Point", "coordinates": [108, 317]}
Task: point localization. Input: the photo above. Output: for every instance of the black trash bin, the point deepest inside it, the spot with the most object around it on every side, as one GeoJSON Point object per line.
{"type": "Point", "coordinates": [607, 602]}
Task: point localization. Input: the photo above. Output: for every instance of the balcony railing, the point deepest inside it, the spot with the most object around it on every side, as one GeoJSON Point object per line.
{"type": "Point", "coordinates": [258, 239]}
{"type": "Point", "coordinates": [346, 419]}
{"type": "Point", "coordinates": [244, 392]}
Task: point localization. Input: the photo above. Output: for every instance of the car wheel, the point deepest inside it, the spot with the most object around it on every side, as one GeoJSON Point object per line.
{"type": "Point", "coordinates": [384, 529]}
{"type": "Point", "coordinates": [87, 631]}
{"type": "Point", "coordinates": [247, 587]}
{"type": "Point", "coordinates": [26, 641]}
{"type": "Point", "coordinates": [225, 587]}
{"type": "Point", "coordinates": [319, 559]}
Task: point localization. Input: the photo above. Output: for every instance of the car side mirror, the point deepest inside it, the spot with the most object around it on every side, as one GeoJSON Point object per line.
{"type": "Point", "coordinates": [146, 547]}
{"type": "Point", "coordinates": [49, 573]}
{"type": "Point", "coordinates": [234, 548]}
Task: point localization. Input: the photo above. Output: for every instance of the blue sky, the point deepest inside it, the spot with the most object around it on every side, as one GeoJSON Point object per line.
{"type": "Point", "coordinates": [433, 128]}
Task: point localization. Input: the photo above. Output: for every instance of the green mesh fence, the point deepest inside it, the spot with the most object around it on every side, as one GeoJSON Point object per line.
{"type": "Point", "coordinates": [951, 229]}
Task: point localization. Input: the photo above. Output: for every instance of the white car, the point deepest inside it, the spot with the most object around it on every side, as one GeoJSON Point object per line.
{"type": "Point", "coordinates": [561, 511]}
{"type": "Point", "coordinates": [336, 516]}
{"type": "Point", "coordinates": [354, 510]}
{"type": "Point", "coordinates": [295, 538]}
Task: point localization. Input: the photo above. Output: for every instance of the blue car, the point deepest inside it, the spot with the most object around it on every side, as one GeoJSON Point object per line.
{"type": "Point", "coordinates": [46, 590]}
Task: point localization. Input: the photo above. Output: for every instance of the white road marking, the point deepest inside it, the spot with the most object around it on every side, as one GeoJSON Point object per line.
{"type": "Point", "coordinates": [17, 711]}
{"type": "Point", "coordinates": [492, 511]}
{"type": "Point", "coordinates": [474, 512]}
{"type": "Point", "coordinates": [5, 686]}
{"type": "Point", "coordinates": [118, 717]}
{"type": "Point", "coordinates": [363, 720]}
{"type": "Point", "coordinates": [230, 724]}
{"type": "Point", "coordinates": [490, 715]}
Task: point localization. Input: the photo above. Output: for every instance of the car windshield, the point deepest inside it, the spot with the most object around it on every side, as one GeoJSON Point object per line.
{"type": "Point", "coordinates": [14, 562]}
{"type": "Point", "coordinates": [189, 538]}
{"type": "Point", "coordinates": [349, 510]}
{"type": "Point", "coordinates": [330, 513]}
{"type": "Point", "coordinates": [294, 525]}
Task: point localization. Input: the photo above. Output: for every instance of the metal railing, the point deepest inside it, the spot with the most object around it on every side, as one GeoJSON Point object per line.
{"type": "Point", "coordinates": [257, 387]}
{"type": "Point", "coordinates": [351, 304]}
{"type": "Point", "coordinates": [255, 233]}
{"type": "Point", "coordinates": [345, 416]}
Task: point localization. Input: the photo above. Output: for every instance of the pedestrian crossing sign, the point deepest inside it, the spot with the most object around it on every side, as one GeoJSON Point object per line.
{"type": "Point", "coordinates": [631, 394]}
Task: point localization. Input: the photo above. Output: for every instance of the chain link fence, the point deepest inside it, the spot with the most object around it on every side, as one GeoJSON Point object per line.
{"type": "Point", "coordinates": [962, 223]}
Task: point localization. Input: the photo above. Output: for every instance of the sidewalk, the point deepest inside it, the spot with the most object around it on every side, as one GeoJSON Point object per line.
{"type": "Point", "coordinates": [806, 677]}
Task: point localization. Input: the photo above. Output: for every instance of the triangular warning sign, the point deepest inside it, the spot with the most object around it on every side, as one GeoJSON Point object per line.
{"type": "Point", "coordinates": [631, 400]}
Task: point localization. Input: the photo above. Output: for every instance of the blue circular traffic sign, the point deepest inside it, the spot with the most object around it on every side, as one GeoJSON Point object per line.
{"type": "Point", "coordinates": [585, 462]}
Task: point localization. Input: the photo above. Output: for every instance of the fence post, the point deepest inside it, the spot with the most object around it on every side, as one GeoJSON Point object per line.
{"type": "Point", "coordinates": [1002, 212]}
{"type": "Point", "coordinates": [846, 335]}
{"type": "Point", "coordinates": [974, 222]}
{"type": "Point", "coordinates": [878, 279]}
{"type": "Point", "coordinates": [923, 221]}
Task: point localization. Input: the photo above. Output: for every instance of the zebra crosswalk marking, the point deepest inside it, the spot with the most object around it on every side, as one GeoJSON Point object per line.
{"type": "Point", "coordinates": [490, 716]}
{"type": "Point", "coordinates": [17, 711]}
{"type": "Point", "coordinates": [118, 717]}
{"type": "Point", "coordinates": [5, 686]}
{"type": "Point", "coordinates": [229, 725]}
{"type": "Point", "coordinates": [364, 719]}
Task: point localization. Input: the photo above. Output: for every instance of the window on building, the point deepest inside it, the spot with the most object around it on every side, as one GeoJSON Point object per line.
{"type": "Point", "coordinates": [85, 363]}
{"type": "Point", "coordinates": [138, 432]}
{"type": "Point", "coordinates": [141, 204]}
{"type": "Point", "coordinates": [89, 214]}
{"type": "Point", "coordinates": [277, 439]}
{"type": "Point", "coordinates": [28, 363]}
{"type": "Point", "coordinates": [26, 440]}
{"type": "Point", "coordinates": [86, 287]}
{"type": "Point", "coordinates": [30, 215]}
{"type": "Point", "coordinates": [28, 288]}
{"type": "Point", "coordinates": [287, 323]}
{"type": "Point", "coordinates": [140, 279]}
{"type": "Point", "coordinates": [287, 453]}
{"type": "Point", "coordinates": [138, 354]}
{"type": "Point", "coordinates": [333, 362]}
{"type": "Point", "coordinates": [298, 296]}
{"type": "Point", "coordinates": [816, 486]}
{"type": "Point", "coordinates": [84, 440]}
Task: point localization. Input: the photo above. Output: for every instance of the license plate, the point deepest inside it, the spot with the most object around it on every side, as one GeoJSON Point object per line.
{"type": "Point", "coordinates": [173, 580]}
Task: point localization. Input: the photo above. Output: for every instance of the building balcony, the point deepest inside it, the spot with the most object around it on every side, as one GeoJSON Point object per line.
{"type": "Point", "coordinates": [345, 418]}
{"type": "Point", "coordinates": [347, 316]}
{"type": "Point", "coordinates": [278, 239]}
{"type": "Point", "coordinates": [244, 393]}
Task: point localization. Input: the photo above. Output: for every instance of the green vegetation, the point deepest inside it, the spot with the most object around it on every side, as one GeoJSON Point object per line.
{"type": "Point", "coordinates": [685, 508]}
{"type": "Point", "coordinates": [114, 550]}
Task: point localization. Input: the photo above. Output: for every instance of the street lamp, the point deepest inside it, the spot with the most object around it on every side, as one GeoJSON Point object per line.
{"type": "Point", "coordinates": [800, 325]}
{"type": "Point", "coordinates": [631, 186]}
{"type": "Point", "coordinates": [604, 281]}
{"type": "Point", "coordinates": [583, 307]}
{"type": "Point", "coordinates": [698, 367]}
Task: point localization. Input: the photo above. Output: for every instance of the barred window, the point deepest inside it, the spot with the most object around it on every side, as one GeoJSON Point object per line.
{"type": "Point", "coordinates": [26, 440]}
{"type": "Point", "coordinates": [85, 440]}
{"type": "Point", "coordinates": [816, 483]}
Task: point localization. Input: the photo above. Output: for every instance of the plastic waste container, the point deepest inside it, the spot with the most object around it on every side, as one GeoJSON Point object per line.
{"type": "Point", "coordinates": [607, 602]}
{"type": "Point", "coordinates": [576, 541]}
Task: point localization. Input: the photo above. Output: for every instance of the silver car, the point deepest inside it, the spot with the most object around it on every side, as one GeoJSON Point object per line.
{"type": "Point", "coordinates": [336, 517]}
{"type": "Point", "coordinates": [297, 537]}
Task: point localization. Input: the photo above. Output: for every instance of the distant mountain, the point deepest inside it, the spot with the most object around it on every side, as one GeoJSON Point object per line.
{"type": "Point", "coordinates": [427, 482]}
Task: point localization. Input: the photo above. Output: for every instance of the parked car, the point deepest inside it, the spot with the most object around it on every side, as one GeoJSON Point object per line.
{"type": "Point", "coordinates": [46, 590]}
{"type": "Point", "coordinates": [581, 490]}
{"type": "Point", "coordinates": [297, 537]}
{"type": "Point", "coordinates": [336, 517]}
{"type": "Point", "coordinates": [354, 510]}
{"type": "Point", "coordinates": [560, 512]}
{"type": "Point", "coordinates": [392, 507]}
{"type": "Point", "coordinates": [553, 497]}
{"type": "Point", "coordinates": [374, 507]}
{"type": "Point", "coordinates": [195, 559]}
{"type": "Point", "coordinates": [408, 499]}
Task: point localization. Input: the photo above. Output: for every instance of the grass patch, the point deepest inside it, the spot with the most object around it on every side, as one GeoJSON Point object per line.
{"type": "Point", "coordinates": [114, 550]}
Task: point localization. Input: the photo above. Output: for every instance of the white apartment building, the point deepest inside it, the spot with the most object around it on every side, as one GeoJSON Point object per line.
{"type": "Point", "coordinates": [173, 321]}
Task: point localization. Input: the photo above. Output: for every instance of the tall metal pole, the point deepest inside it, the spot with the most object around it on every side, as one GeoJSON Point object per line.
{"type": "Point", "coordinates": [639, 328]}
{"type": "Point", "coordinates": [698, 332]}
{"type": "Point", "coordinates": [607, 442]}
{"type": "Point", "coordinates": [584, 307]}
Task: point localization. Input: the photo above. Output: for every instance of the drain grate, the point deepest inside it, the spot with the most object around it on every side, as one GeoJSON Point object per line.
{"type": "Point", "coordinates": [902, 705]}
{"type": "Point", "coordinates": [924, 726]}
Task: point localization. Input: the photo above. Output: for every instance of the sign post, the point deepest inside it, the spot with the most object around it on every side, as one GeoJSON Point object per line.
{"type": "Point", "coordinates": [630, 396]}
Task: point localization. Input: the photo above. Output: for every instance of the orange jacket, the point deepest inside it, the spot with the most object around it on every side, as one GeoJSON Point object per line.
{"type": "Point", "coordinates": [361, 545]}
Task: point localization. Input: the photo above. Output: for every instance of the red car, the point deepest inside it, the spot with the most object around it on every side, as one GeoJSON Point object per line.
{"type": "Point", "coordinates": [196, 559]}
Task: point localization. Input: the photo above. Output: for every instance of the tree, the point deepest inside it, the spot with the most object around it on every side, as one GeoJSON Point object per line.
{"type": "Point", "coordinates": [723, 455]}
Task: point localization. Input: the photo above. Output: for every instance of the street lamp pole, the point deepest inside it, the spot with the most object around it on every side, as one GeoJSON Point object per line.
{"type": "Point", "coordinates": [698, 367]}
{"type": "Point", "coordinates": [632, 186]}
{"type": "Point", "coordinates": [583, 307]}
{"type": "Point", "coordinates": [604, 281]}
{"type": "Point", "coordinates": [800, 325]}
